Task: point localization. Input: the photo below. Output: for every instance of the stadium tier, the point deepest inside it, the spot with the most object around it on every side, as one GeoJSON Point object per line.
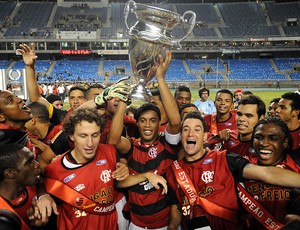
{"type": "Point", "coordinates": [221, 20]}
{"type": "Point", "coordinates": [225, 34]}
{"type": "Point", "coordinates": [179, 70]}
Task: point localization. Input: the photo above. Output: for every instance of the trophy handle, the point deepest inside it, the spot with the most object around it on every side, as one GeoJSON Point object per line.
{"type": "Point", "coordinates": [127, 10]}
{"type": "Point", "coordinates": [192, 23]}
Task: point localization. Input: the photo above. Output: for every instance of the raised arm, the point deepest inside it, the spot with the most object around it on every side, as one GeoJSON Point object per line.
{"type": "Point", "coordinates": [29, 58]}
{"type": "Point", "coordinates": [46, 157]}
{"type": "Point", "coordinates": [114, 137]}
{"type": "Point", "coordinates": [167, 98]}
{"type": "Point", "coordinates": [119, 90]}
{"type": "Point", "coordinates": [272, 175]}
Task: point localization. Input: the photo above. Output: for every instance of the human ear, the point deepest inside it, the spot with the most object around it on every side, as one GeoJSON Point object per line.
{"type": "Point", "coordinates": [2, 117]}
{"type": "Point", "coordinates": [71, 137]}
{"type": "Point", "coordinates": [9, 173]}
{"type": "Point", "coordinates": [285, 143]}
{"type": "Point", "coordinates": [205, 136]}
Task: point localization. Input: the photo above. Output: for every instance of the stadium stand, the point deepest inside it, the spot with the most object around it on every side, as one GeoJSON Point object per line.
{"type": "Point", "coordinates": [30, 19]}
{"type": "Point", "coordinates": [252, 69]}
{"type": "Point", "coordinates": [237, 27]}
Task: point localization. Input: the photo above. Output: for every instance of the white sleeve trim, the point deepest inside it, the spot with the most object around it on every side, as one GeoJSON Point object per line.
{"type": "Point", "coordinates": [172, 139]}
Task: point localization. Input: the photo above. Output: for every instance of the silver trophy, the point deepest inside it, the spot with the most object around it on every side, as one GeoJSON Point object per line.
{"type": "Point", "coordinates": [149, 37]}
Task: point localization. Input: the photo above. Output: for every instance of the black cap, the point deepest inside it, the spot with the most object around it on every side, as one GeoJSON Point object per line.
{"type": "Point", "coordinates": [52, 98]}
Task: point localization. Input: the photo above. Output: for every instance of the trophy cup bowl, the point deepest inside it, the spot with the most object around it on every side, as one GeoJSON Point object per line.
{"type": "Point", "coordinates": [150, 37]}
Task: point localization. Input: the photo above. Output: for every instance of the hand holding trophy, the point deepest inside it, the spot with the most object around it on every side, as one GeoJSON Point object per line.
{"type": "Point", "coordinates": [150, 37]}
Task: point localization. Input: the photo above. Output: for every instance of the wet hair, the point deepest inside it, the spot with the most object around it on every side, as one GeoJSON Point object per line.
{"type": "Point", "coordinates": [156, 93]}
{"type": "Point", "coordinates": [247, 92]}
{"type": "Point", "coordinates": [130, 109]}
{"type": "Point", "coordinates": [182, 88]}
{"type": "Point", "coordinates": [202, 90]}
{"type": "Point", "coordinates": [9, 220]}
{"type": "Point", "coordinates": [93, 86]}
{"type": "Point", "coordinates": [283, 126]}
{"type": "Point", "coordinates": [275, 100]}
{"type": "Point", "coordinates": [39, 111]}
{"type": "Point", "coordinates": [9, 157]}
{"type": "Point", "coordinates": [295, 98]}
{"type": "Point", "coordinates": [182, 107]}
{"type": "Point", "coordinates": [78, 87]}
{"type": "Point", "coordinates": [254, 100]}
{"type": "Point", "coordinates": [82, 114]}
{"type": "Point", "coordinates": [146, 107]}
{"type": "Point", "coordinates": [52, 98]}
{"type": "Point", "coordinates": [227, 91]}
{"type": "Point", "coordinates": [195, 115]}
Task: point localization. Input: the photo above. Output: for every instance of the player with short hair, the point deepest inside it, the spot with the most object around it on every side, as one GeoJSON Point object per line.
{"type": "Point", "coordinates": [19, 173]}
{"type": "Point", "coordinates": [272, 143]}
{"type": "Point", "coordinates": [289, 112]}
{"type": "Point", "coordinates": [204, 181]}
{"type": "Point", "coordinates": [182, 95]}
{"type": "Point", "coordinates": [152, 152]}
{"type": "Point", "coordinates": [87, 160]}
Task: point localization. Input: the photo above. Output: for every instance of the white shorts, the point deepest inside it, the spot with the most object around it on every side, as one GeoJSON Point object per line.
{"type": "Point", "coordinates": [122, 222]}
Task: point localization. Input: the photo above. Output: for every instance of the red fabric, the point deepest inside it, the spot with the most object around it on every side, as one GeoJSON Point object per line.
{"type": "Point", "coordinates": [149, 207]}
{"type": "Point", "coordinates": [213, 181]}
{"type": "Point", "coordinates": [273, 198]}
{"type": "Point", "coordinates": [229, 124]}
{"type": "Point", "coordinates": [89, 179]}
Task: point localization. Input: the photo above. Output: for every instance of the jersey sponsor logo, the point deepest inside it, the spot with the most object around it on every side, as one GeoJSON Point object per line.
{"type": "Point", "coordinates": [79, 201]}
{"type": "Point", "coordinates": [146, 184]}
{"type": "Point", "coordinates": [152, 152]}
{"type": "Point", "coordinates": [228, 124]}
{"type": "Point", "coordinates": [266, 192]}
{"type": "Point", "coordinates": [69, 178]}
{"type": "Point", "coordinates": [79, 187]}
{"type": "Point", "coordinates": [104, 209]}
{"type": "Point", "coordinates": [207, 161]}
{"type": "Point", "coordinates": [105, 176]}
{"type": "Point", "coordinates": [207, 176]}
{"type": "Point", "coordinates": [101, 162]}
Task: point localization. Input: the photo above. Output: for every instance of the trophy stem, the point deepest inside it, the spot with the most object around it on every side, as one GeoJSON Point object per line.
{"type": "Point", "coordinates": [140, 93]}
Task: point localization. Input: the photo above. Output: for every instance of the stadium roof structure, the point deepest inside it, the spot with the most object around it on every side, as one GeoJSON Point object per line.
{"type": "Point", "coordinates": [87, 28]}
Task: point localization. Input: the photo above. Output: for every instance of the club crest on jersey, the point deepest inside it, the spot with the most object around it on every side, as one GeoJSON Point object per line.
{"type": "Point", "coordinates": [101, 162]}
{"type": "Point", "coordinates": [69, 178]}
{"type": "Point", "coordinates": [228, 124]}
{"type": "Point", "coordinates": [105, 176]}
{"type": "Point", "coordinates": [207, 176]}
{"type": "Point", "coordinates": [207, 161]}
{"type": "Point", "coordinates": [152, 152]}
{"type": "Point", "coordinates": [79, 201]}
